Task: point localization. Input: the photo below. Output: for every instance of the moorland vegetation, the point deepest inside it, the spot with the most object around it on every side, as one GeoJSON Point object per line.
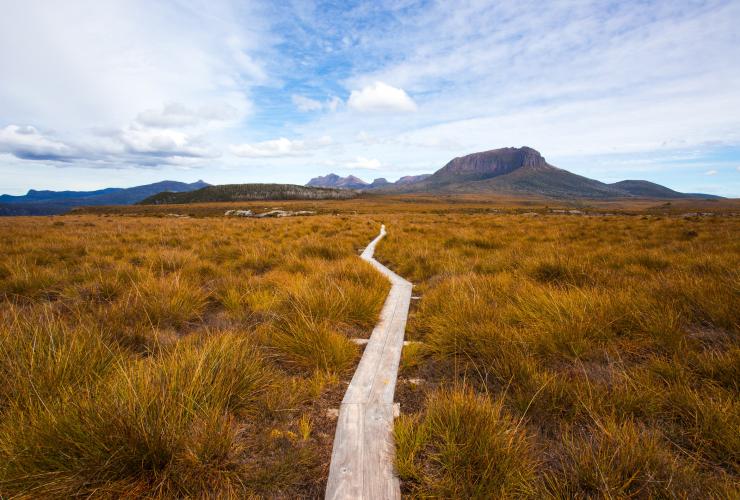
{"type": "Point", "coordinates": [144, 357]}
{"type": "Point", "coordinates": [569, 356]}
{"type": "Point", "coordinates": [555, 354]}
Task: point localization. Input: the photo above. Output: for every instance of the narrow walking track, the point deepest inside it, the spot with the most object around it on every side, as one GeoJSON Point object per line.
{"type": "Point", "coordinates": [362, 458]}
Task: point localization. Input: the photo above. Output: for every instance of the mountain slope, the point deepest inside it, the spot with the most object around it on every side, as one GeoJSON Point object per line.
{"type": "Point", "coordinates": [523, 171]}
{"type": "Point", "coordinates": [412, 179]}
{"type": "Point", "coordinates": [247, 192]}
{"type": "Point", "coordinates": [520, 171]}
{"type": "Point", "coordinates": [647, 189]}
{"type": "Point", "coordinates": [545, 181]}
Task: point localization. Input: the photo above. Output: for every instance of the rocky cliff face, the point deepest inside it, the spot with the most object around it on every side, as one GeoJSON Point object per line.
{"type": "Point", "coordinates": [479, 166]}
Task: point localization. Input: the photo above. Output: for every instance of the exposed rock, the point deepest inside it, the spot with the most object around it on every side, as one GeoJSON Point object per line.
{"type": "Point", "coordinates": [239, 213]}
{"type": "Point", "coordinates": [271, 213]}
{"type": "Point", "coordinates": [479, 166]}
{"type": "Point", "coordinates": [284, 213]}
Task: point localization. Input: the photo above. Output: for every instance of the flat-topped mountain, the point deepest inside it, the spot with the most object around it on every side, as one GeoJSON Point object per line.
{"type": "Point", "coordinates": [479, 166]}
{"type": "Point", "coordinates": [518, 172]}
{"type": "Point", "coordinates": [515, 171]}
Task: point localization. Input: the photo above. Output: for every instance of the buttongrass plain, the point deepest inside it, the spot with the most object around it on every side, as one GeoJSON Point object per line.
{"type": "Point", "coordinates": [161, 357]}
{"type": "Point", "coordinates": [570, 356]}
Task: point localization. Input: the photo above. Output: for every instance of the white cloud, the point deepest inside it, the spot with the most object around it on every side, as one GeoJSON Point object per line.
{"type": "Point", "coordinates": [306, 104]}
{"type": "Point", "coordinates": [381, 97]}
{"type": "Point", "coordinates": [271, 148]}
{"type": "Point", "coordinates": [178, 115]}
{"type": "Point", "coordinates": [26, 142]}
{"type": "Point", "coordinates": [281, 147]}
{"type": "Point", "coordinates": [83, 67]}
{"type": "Point", "coordinates": [162, 142]}
{"type": "Point", "coordinates": [365, 163]}
{"type": "Point", "coordinates": [711, 172]}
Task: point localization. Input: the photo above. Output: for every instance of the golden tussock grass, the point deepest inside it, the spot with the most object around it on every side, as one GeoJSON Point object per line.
{"type": "Point", "coordinates": [562, 356]}
{"type": "Point", "coordinates": [609, 344]}
{"type": "Point", "coordinates": [176, 358]}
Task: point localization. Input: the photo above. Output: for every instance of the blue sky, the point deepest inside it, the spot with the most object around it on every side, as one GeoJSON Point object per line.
{"type": "Point", "coordinates": [121, 93]}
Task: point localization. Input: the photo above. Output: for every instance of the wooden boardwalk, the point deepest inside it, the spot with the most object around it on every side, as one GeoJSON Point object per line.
{"type": "Point", "coordinates": [362, 458]}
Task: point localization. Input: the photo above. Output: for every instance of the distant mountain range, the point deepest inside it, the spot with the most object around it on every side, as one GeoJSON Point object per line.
{"type": "Point", "coordinates": [507, 171]}
{"type": "Point", "coordinates": [249, 192]}
{"type": "Point", "coordinates": [511, 171]}
{"type": "Point", "coordinates": [352, 182]}
{"type": "Point", "coordinates": [57, 202]}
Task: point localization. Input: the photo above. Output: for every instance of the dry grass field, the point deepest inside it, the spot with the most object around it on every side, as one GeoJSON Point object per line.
{"type": "Point", "coordinates": [558, 356]}
{"type": "Point", "coordinates": [569, 356]}
{"type": "Point", "coordinates": [144, 357]}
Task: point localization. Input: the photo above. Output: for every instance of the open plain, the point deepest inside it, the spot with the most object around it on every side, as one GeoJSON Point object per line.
{"type": "Point", "coordinates": [556, 351]}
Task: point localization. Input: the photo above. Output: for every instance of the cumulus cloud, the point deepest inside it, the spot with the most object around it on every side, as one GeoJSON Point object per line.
{"type": "Point", "coordinates": [381, 97]}
{"type": "Point", "coordinates": [365, 163]}
{"type": "Point", "coordinates": [27, 143]}
{"type": "Point", "coordinates": [281, 147]}
{"type": "Point", "coordinates": [162, 143]}
{"type": "Point", "coordinates": [133, 145]}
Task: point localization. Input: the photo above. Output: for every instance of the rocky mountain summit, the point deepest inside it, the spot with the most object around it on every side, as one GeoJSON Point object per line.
{"type": "Point", "coordinates": [509, 171]}
{"type": "Point", "coordinates": [479, 166]}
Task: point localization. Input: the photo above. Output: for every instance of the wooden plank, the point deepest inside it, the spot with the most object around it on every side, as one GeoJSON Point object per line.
{"type": "Point", "coordinates": [362, 458]}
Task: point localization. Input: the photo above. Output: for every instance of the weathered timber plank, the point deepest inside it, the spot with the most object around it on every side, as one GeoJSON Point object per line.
{"type": "Point", "coordinates": [362, 458]}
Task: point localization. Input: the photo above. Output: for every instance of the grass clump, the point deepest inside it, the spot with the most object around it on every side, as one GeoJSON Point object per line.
{"type": "Point", "coordinates": [463, 446]}
{"type": "Point", "coordinates": [623, 460]}
{"type": "Point", "coordinates": [166, 426]}
{"type": "Point", "coordinates": [307, 344]}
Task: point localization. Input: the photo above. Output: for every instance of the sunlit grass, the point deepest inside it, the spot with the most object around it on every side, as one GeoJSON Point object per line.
{"type": "Point", "coordinates": [561, 356]}
{"type": "Point", "coordinates": [170, 358]}
{"type": "Point", "coordinates": [612, 343]}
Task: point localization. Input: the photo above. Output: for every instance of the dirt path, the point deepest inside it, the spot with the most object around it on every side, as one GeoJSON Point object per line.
{"type": "Point", "coordinates": [362, 458]}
